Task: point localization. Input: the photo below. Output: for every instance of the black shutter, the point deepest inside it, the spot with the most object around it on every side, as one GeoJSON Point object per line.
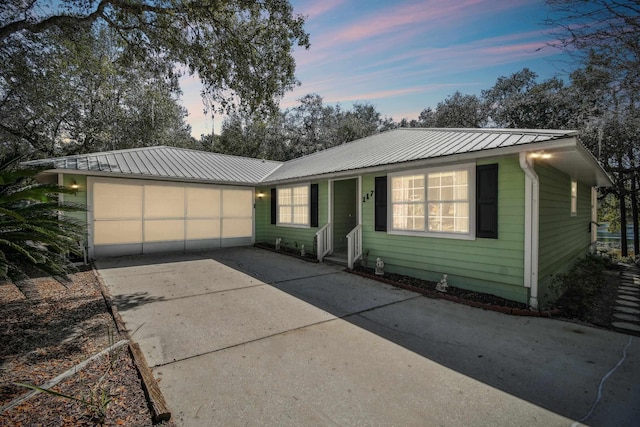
{"type": "Point", "coordinates": [487, 201]}
{"type": "Point", "coordinates": [381, 203]}
{"type": "Point", "coordinates": [273, 206]}
{"type": "Point", "coordinates": [314, 205]}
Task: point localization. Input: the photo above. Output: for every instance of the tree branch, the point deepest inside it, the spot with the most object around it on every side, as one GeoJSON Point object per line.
{"type": "Point", "coordinates": [58, 21]}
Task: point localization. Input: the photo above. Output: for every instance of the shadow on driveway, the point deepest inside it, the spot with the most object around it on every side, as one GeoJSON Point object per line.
{"type": "Point", "coordinates": [555, 365]}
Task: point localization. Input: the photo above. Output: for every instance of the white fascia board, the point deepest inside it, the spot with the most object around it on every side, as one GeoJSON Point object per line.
{"type": "Point", "coordinates": [117, 175]}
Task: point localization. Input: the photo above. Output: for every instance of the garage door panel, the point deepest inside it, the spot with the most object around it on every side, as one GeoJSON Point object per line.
{"type": "Point", "coordinates": [136, 216]}
{"type": "Point", "coordinates": [203, 229]}
{"type": "Point", "coordinates": [237, 227]}
{"type": "Point", "coordinates": [237, 203]}
{"type": "Point", "coordinates": [203, 203]}
{"type": "Point", "coordinates": [163, 201]}
{"type": "Point", "coordinates": [117, 201]}
{"type": "Point", "coordinates": [160, 247]}
{"type": "Point", "coordinates": [191, 245]}
{"type": "Point", "coordinates": [163, 230]}
{"type": "Point", "coordinates": [117, 232]}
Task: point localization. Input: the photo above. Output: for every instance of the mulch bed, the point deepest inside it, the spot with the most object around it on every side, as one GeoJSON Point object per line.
{"type": "Point", "coordinates": [458, 295]}
{"type": "Point", "coordinates": [599, 314]}
{"type": "Point", "coordinates": [48, 328]}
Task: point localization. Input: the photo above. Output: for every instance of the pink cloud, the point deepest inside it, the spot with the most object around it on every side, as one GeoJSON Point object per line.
{"type": "Point", "coordinates": [320, 7]}
{"type": "Point", "coordinates": [437, 13]}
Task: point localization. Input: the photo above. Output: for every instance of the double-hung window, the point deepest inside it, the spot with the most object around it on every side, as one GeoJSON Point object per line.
{"type": "Point", "coordinates": [407, 198]}
{"type": "Point", "coordinates": [574, 197]}
{"type": "Point", "coordinates": [293, 205]}
{"type": "Point", "coordinates": [448, 201]}
{"type": "Point", "coordinates": [437, 202]}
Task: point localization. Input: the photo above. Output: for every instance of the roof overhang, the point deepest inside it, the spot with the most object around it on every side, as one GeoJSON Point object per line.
{"type": "Point", "coordinates": [567, 155]}
{"type": "Point", "coordinates": [143, 177]}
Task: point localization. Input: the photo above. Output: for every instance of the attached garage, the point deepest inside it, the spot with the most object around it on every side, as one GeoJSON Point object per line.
{"type": "Point", "coordinates": [130, 216]}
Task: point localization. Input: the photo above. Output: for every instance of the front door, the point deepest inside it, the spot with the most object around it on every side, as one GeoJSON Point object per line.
{"type": "Point", "coordinates": [345, 212]}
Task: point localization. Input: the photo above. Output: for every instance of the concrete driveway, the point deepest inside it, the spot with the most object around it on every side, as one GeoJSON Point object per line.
{"type": "Point", "coordinates": [243, 337]}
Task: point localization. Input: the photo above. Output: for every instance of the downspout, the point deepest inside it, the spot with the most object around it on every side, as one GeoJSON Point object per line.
{"type": "Point", "coordinates": [531, 228]}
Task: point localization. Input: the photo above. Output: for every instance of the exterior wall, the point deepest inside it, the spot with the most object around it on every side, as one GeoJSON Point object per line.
{"type": "Point", "coordinates": [266, 232]}
{"type": "Point", "coordinates": [563, 238]}
{"type": "Point", "coordinates": [493, 266]}
{"type": "Point", "coordinates": [80, 198]}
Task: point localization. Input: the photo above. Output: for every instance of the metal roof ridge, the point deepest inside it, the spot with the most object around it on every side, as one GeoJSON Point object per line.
{"type": "Point", "coordinates": [264, 178]}
{"type": "Point", "coordinates": [497, 130]}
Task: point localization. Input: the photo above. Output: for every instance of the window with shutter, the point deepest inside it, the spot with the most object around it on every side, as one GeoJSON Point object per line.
{"type": "Point", "coordinates": [487, 201]}
{"type": "Point", "coordinates": [314, 205]}
{"type": "Point", "coordinates": [274, 206]}
{"type": "Point", "coordinates": [380, 194]}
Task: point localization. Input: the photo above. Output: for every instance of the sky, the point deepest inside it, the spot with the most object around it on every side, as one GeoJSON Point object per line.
{"type": "Point", "coordinates": [403, 56]}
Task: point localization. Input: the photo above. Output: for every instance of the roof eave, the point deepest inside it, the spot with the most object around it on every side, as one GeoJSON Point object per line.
{"type": "Point", "coordinates": [147, 177]}
{"type": "Point", "coordinates": [557, 145]}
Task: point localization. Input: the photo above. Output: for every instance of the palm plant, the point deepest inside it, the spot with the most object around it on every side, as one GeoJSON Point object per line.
{"type": "Point", "coordinates": [33, 231]}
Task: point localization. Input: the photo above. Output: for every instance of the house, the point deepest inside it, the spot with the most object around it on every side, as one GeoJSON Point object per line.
{"type": "Point", "coordinates": [498, 210]}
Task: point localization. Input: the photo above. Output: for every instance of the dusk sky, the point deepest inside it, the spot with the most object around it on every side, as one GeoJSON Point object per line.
{"type": "Point", "coordinates": [405, 55]}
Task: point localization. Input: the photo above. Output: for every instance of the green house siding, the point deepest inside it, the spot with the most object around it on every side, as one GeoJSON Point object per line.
{"type": "Point", "coordinates": [563, 238]}
{"type": "Point", "coordinates": [80, 197]}
{"type": "Point", "coordinates": [487, 265]}
{"type": "Point", "coordinates": [265, 232]}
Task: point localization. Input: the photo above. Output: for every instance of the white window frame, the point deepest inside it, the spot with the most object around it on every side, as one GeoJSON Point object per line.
{"type": "Point", "coordinates": [279, 222]}
{"type": "Point", "coordinates": [574, 197]}
{"type": "Point", "coordinates": [471, 199]}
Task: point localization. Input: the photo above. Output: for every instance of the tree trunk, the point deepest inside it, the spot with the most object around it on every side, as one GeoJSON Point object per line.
{"type": "Point", "coordinates": [623, 222]}
{"type": "Point", "coordinates": [634, 213]}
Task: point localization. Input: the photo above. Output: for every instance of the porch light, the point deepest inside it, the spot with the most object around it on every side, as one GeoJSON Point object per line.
{"type": "Point", "coordinates": [540, 155]}
{"type": "Point", "coordinates": [74, 186]}
{"type": "Point", "coordinates": [260, 195]}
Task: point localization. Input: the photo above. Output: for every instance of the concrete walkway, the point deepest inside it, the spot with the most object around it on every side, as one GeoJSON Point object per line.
{"type": "Point", "coordinates": [247, 337]}
{"type": "Point", "coordinates": [627, 310]}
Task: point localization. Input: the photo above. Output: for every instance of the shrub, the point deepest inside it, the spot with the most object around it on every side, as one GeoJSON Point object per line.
{"type": "Point", "coordinates": [581, 285]}
{"type": "Point", "coordinates": [33, 232]}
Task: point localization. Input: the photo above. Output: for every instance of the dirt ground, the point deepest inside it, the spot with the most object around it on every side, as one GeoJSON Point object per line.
{"type": "Point", "coordinates": [50, 327]}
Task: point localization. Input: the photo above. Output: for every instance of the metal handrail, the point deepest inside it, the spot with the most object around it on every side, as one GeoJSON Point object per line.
{"type": "Point", "coordinates": [323, 237]}
{"type": "Point", "coordinates": [354, 245]}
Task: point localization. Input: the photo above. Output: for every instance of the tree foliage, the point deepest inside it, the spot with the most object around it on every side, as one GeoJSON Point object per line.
{"type": "Point", "coordinates": [79, 95]}
{"type": "Point", "coordinates": [459, 111]}
{"type": "Point", "coordinates": [32, 231]}
{"type": "Point", "coordinates": [303, 129]}
{"type": "Point", "coordinates": [602, 30]}
{"type": "Point", "coordinates": [240, 49]}
{"type": "Point", "coordinates": [519, 101]}
{"type": "Point", "coordinates": [603, 35]}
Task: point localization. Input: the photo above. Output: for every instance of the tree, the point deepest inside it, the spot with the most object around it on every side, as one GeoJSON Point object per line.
{"type": "Point", "coordinates": [240, 49]}
{"type": "Point", "coordinates": [459, 111]}
{"type": "Point", "coordinates": [603, 34]}
{"type": "Point", "coordinates": [244, 135]}
{"type": "Point", "coordinates": [304, 129]}
{"type": "Point", "coordinates": [604, 30]}
{"type": "Point", "coordinates": [32, 231]}
{"type": "Point", "coordinates": [80, 96]}
{"type": "Point", "coordinates": [426, 119]}
{"type": "Point", "coordinates": [519, 101]}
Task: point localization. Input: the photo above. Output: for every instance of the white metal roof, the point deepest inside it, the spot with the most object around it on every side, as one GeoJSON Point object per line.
{"type": "Point", "coordinates": [406, 145]}
{"type": "Point", "coordinates": [168, 162]}
{"type": "Point", "coordinates": [384, 151]}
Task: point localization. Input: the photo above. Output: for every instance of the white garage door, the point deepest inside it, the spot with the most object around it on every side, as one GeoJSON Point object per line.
{"type": "Point", "coordinates": [132, 216]}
